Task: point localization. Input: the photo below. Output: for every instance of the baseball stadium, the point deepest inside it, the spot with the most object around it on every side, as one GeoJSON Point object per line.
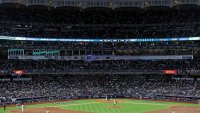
{"type": "Point", "coordinates": [99, 56]}
{"type": "Point", "coordinates": [107, 106]}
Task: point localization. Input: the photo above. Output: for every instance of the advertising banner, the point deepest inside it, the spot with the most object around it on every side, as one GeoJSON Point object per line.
{"type": "Point", "coordinates": [170, 72]}
{"type": "Point", "coordinates": [18, 72]}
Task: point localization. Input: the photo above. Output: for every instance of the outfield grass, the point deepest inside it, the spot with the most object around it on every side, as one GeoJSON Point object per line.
{"type": "Point", "coordinates": [128, 106]}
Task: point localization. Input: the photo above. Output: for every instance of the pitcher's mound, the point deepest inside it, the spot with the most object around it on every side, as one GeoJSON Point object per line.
{"type": "Point", "coordinates": [114, 106]}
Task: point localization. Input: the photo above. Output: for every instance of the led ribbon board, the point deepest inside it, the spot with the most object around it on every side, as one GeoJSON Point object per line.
{"type": "Point", "coordinates": [100, 40]}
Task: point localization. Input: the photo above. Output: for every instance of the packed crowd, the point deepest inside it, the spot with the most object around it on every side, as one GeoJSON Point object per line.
{"type": "Point", "coordinates": [100, 31]}
{"type": "Point", "coordinates": [99, 24]}
{"type": "Point", "coordinates": [185, 47]}
{"type": "Point", "coordinates": [95, 66]}
{"type": "Point", "coordinates": [98, 15]}
{"type": "Point", "coordinates": [98, 86]}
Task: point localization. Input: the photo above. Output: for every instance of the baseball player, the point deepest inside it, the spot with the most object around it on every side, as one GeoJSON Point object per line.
{"type": "Point", "coordinates": [173, 111]}
{"type": "Point", "coordinates": [22, 107]}
{"type": "Point", "coordinates": [4, 107]}
{"type": "Point", "coordinates": [140, 97]}
{"type": "Point", "coordinates": [47, 111]}
{"type": "Point", "coordinates": [115, 102]}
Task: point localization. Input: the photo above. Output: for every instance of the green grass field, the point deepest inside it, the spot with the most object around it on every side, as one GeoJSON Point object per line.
{"type": "Point", "coordinates": [128, 106]}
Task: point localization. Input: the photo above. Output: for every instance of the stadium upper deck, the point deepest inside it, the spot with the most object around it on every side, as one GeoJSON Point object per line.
{"type": "Point", "coordinates": [99, 19]}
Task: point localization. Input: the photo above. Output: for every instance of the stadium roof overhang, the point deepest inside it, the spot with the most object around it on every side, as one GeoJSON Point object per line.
{"type": "Point", "coordinates": [112, 4]}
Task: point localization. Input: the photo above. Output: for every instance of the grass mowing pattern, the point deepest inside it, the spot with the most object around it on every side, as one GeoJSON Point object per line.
{"type": "Point", "coordinates": [133, 106]}
{"type": "Point", "coordinates": [128, 106]}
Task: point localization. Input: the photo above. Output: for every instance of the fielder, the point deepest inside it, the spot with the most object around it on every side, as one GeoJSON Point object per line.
{"type": "Point", "coordinates": [4, 107]}
{"type": "Point", "coordinates": [115, 102]}
{"type": "Point", "coordinates": [22, 107]}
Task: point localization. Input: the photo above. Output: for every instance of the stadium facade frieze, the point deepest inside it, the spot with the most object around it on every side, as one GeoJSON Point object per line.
{"type": "Point", "coordinates": [92, 72]}
{"type": "Point", "coordinates": [100, 57]}
{"type": "Point", "coordinates": [101, 3]}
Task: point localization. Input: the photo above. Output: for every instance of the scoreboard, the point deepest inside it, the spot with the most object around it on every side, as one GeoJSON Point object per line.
{"type": "Point", "coordinates": [35, 52]}
{"type": "Point", "coordinates": [48, 54]}
{"type": "Point", "coordinates": [45, 52]}
{"type": "Point", "coordinates": [15, 52]}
